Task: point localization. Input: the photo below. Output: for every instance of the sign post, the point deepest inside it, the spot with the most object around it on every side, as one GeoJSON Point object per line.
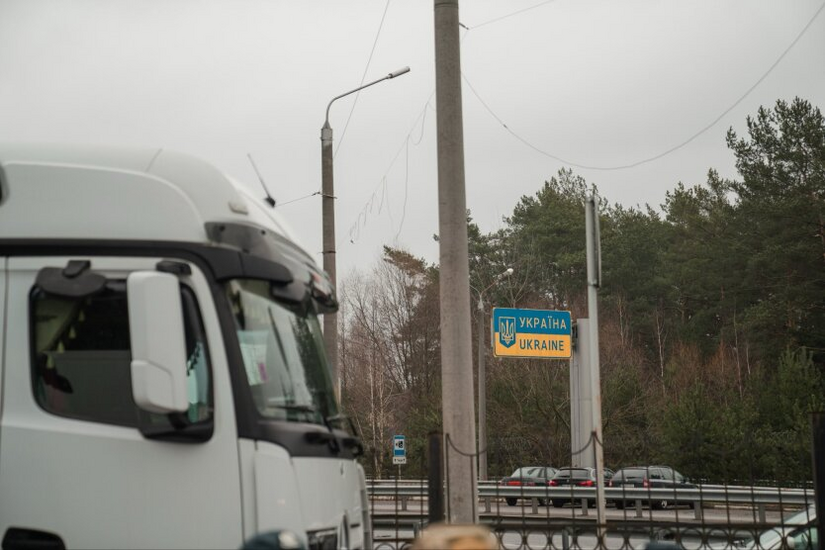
{"type": "Point", "coordinates": [581, 397]}
{"type": "Point", "coordinates": [594, 276]}
{"type": "Point", "coordinates": [399, 450]}
{"type": "Point", "coordinates": [536, 333]}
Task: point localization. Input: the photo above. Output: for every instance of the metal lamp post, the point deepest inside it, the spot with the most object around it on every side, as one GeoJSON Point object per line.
{"type": "Point", "coordinates": [482, 379]}
{"type": "Point", "coordinates": [328, 225]}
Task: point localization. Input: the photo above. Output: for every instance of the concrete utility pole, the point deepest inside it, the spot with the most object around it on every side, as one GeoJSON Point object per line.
{"type": "Point", "coordinates": [328, 247]}
{"type": "Point", "coordinates": [456, 345]}
{"type": "Point", "coordinates": [328, 226]}
{"type": "Point", "coordinates": [594, 276]}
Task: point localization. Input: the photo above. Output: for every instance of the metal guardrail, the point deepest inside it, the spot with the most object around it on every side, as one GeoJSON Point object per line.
{"type": "Point", "coordinates": [698, 497]}
{"type": "Point", "coordinates": [704, 493]}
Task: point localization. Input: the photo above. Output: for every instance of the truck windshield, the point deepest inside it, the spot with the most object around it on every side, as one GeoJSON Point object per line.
{"type": "Point", "coordinates": [283, 354]}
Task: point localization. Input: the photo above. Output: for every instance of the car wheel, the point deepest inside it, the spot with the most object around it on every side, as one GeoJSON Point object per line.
{"type": "Point", "coordinates": [619, 505]}
{"type": "Point", "coordinates": [542, 502]}
{"type": "Point", "coordinates": [558, 503]}
{"type": "Point", "coordinates": [511, 501]}
{"type": "Point", "coordinates": [661, 504]}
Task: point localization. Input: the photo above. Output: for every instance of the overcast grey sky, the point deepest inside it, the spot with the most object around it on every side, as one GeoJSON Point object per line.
{"type": "Point", "coordinates": [597, 83]}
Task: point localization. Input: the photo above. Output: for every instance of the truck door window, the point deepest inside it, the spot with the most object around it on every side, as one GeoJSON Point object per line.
{"type": "Point", "coordinates": [81, 359]}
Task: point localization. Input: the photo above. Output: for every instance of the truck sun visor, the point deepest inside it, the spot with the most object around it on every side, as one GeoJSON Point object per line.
{"type": "Point", "coordinates": [73, 281]}
{"type": "Point", "coordinates": [262, 258]}
{"type": "Point", "coordinates": [269, 256]}
{"type": "Point", "coordinates": [261, 268]}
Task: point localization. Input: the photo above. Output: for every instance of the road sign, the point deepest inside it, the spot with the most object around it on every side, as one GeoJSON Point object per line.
{"type": "Point", "coordinates": [537, 333]}
{"type": "Point", "coordinates": [399, 449]}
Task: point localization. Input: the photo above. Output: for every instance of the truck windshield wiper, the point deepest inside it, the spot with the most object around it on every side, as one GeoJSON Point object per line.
{"type": "Point", "coordinates": [342, 418]}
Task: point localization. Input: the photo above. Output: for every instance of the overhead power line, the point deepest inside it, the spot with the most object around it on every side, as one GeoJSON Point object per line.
{"type": "Point", "coordinates": [361, 219]}
{"type": "Point", "coordinates": [363, 78]}
{"type": "Point", "coordinates": [355, 228]}
{"type": "Point", "coordinates": [298, 199]}
{"type": "Point", "coordinates": [668, 151]}
{"type": "Point", "coordinates": [517, 12]}
{"type": "Point", "coordinates": [354, 232]}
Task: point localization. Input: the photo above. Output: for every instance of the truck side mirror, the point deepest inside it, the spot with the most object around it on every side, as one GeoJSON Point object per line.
{"type": "Point", "coordinates": [158, 342]}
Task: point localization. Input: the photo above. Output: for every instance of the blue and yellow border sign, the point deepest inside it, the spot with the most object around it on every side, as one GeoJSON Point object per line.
{"type": "Point", "coordinates": [536, 333]}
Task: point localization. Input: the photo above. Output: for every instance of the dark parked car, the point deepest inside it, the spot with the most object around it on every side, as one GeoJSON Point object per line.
{"type": "Point", "coordinates": [577, 477]}
{"type": "Point", "coordinates": [653, 477]}
{"type": "Point", "coordinates": [529, 476]}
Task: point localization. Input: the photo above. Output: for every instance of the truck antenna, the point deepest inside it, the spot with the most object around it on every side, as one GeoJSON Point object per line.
{"type": "Point", "coordinates": [268, 199]}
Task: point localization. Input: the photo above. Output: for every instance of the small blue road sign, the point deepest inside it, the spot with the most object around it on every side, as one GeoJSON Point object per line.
{"type": "Point", "coordinates": [399, 449]}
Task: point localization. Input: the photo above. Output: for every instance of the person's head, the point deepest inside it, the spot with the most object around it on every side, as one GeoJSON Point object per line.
{"type": "Point", "coordinates": [443, 536]}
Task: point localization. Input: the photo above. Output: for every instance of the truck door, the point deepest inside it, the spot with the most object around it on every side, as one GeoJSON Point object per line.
{"type": "Point", "coordinates": [80, 463]}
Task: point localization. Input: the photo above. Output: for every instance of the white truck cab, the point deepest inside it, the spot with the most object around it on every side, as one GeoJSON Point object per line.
{"type": "Point", "coordinates": [163, 382]}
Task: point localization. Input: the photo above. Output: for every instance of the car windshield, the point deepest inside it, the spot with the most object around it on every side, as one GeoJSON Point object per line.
{"type": "Point", "coordinates": [629, 474]}
{"type": "Point", "coordinates": [772, 538]}
{"type": "Point", "coordinates": [574, 473]}
{"type": "Point", "coordinates": [530, 471]}
{"type": "Point", "coordinates": [283, 355]}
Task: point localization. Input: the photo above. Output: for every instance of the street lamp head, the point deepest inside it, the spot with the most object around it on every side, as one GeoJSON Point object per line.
{"type": "Point", "coordinates": [399, 72]}
{"type": "Point", "coordinates": [326, 126]}
{"type": "Point", "coordinates": [497, 278]}
{"type": "Point", "coordinates": [504, 274]}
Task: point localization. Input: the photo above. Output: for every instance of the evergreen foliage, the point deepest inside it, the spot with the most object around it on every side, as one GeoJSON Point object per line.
{"type": "Point", "coordinates": [712, 319]}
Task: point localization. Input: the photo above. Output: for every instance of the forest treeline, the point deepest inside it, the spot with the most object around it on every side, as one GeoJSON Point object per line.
{"type": "Point", "coordinates": [712, 320]}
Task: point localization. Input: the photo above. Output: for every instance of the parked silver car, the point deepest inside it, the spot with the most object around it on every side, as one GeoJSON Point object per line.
{"type": "Point", "coordinates": [797, 532]}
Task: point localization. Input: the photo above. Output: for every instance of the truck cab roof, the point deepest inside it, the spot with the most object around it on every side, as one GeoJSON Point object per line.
{"type": "Point", "coordinates": [84, 192]}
